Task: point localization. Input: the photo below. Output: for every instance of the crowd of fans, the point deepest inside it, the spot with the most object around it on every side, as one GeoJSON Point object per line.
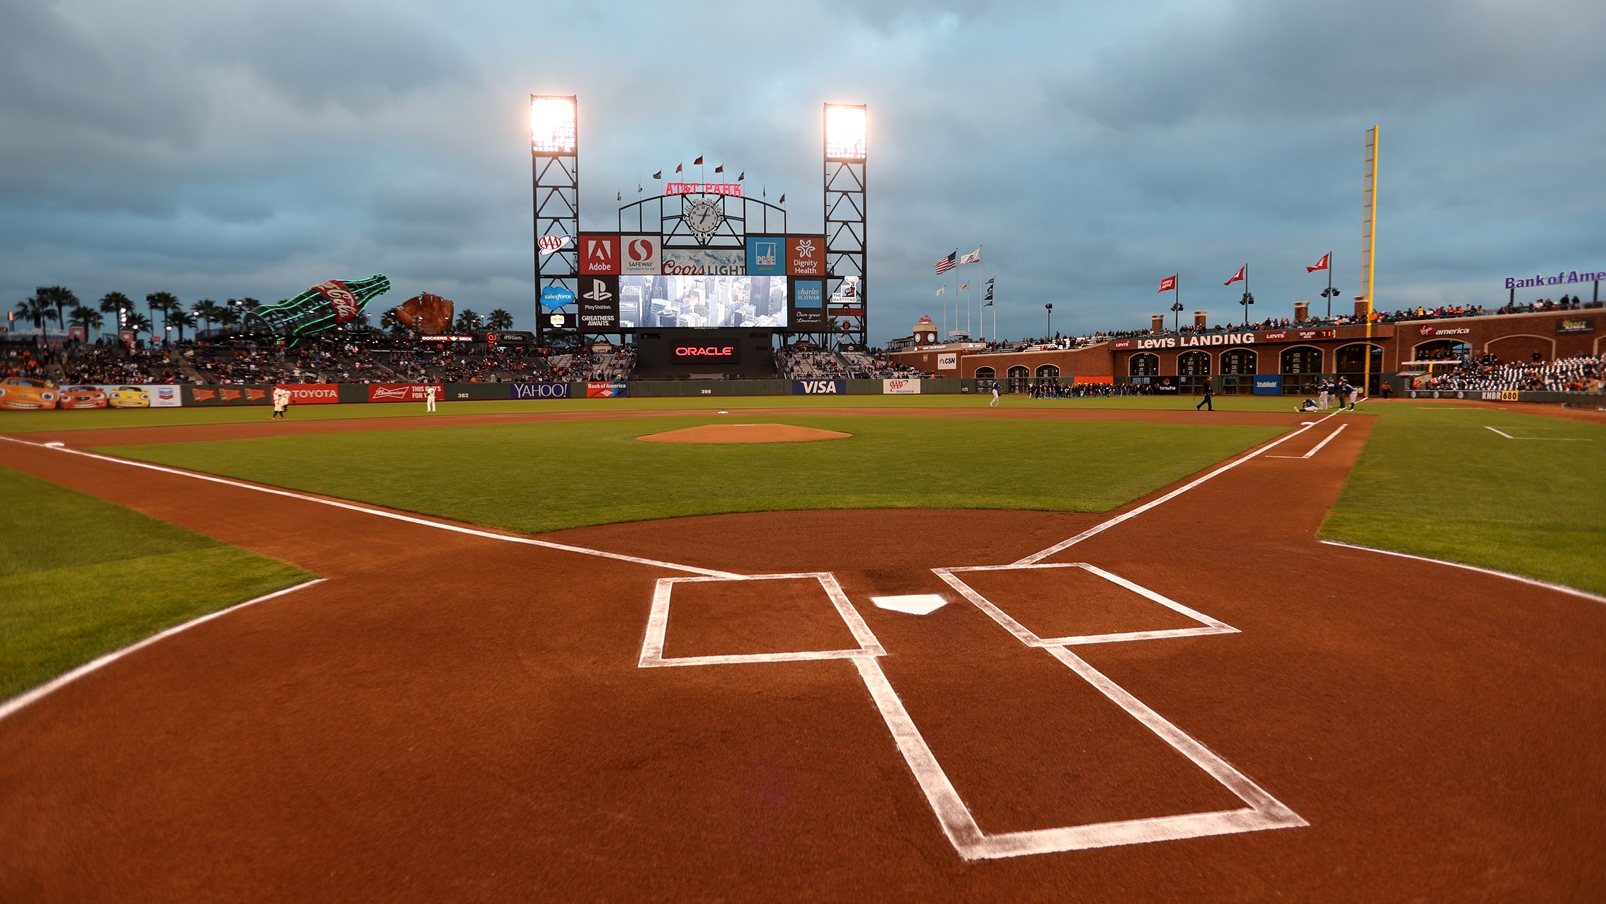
{"type": "Point", "coordinates": [1578, 374]}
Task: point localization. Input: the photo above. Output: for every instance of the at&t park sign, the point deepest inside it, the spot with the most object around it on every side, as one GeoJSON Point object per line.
{"type": "Point", "coordinates": [1190, 341]}
{"type": "Point", "coordinates": [734, 189]}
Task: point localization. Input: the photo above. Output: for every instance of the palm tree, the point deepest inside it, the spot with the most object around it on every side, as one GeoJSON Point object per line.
{"type": "Point", "coordinates": [390, 321]}
{"type": "Point", "coordinates": [88, 318]}
{"type": "Point", "coordinates": [35, 309]}
{"type": "Point", "coordinates": [181, 319]}
{"type": "Point", "coordinates": [165, 302]}
{"type": "Point", "coordinates": [230, 315]}
{"type": "Point", "coordinates": [499, 320]}
{"type": "Point", "coordinates": [208, 310]}
{"type": "Point", "coordinates": [61, 297]}
{"type": "Point", "coordinates": [136, 321]}
{"type": "Point", "coordinates": [468, 321]}
{"type": "Point", "coordinates": [115, 304]}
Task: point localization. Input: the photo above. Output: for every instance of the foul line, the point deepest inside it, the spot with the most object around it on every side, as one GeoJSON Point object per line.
{"type": "Point", "coordinates": [1332, 436]}
{"type": "Point", "coordinates": [394, 516]}
{"type": "Point", "coordinates": [18, 702]}
{"type": "Point", "coordinates": [1101, 528]}
{"type": "Point", "coordinates": [1554, 439]}
{"type": "Point", "coordinates": [1560, 588]}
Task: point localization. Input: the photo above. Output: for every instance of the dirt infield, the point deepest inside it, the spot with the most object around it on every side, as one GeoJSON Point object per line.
{"type": "Point", "coordinates": [627, 714]}
{"type": "Point", "coordinates": [744, 433]}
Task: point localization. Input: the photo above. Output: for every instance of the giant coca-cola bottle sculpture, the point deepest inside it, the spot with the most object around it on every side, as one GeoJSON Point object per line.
{"type": "Point", "coordinates": [322, 307]}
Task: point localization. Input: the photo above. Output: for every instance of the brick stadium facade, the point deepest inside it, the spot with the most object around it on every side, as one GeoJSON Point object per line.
{"type": "Point", "coordinates": [1299, 355]}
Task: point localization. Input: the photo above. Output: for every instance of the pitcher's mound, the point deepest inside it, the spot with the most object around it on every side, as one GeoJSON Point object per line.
{"type": "Point", "coordinates": [744, 433]}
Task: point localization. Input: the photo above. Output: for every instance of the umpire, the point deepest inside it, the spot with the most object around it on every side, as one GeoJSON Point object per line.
{"type": "Point", "coordinates": [1208, 394]}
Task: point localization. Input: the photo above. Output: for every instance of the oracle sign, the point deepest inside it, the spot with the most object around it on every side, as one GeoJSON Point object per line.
{"type": "Point", "coordinates": [706, 353]}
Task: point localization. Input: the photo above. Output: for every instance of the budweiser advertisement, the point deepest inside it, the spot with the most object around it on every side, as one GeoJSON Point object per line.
{"type": "Point", "coordinates": [401, 392]}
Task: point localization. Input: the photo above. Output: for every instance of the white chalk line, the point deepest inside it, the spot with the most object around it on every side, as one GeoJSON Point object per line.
{"type": "Point", "coordinates": [953, 815]}
{"type": "Point", "coordinates": [1553, 439]}
{"type": "Point", "coordinates": [1330, 437]}
{"type": "Point", "coordinates": [652, 645]}
{"type": "Point", "coordinates": [1119, 519]}
{"type": "Point", "coordinates": [18, 702]}
{"type": "Point", "coordinates": [394, 516]}
{"type": "Point", "coordinates": [1559, 588]}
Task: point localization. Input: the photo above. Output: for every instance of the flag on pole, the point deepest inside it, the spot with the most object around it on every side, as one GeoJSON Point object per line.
{"type": "Point", "coordinates": [783, 199]}
{"type": "Point", "coordinates": [1321, 264]}
{"type": "Point", "coordinates": [942, 290]}
{"type": "Point", "coordinates": [638, 188]}
{"type": "Point", "coordinates": [720, 168]}
{"type": "Point", "coordinates": [989, 296]}
{"type": "Point", "coordinates": [947, 263]}
{"type": "Point", "coordinates": [1237, 276]}
{"type": "Point", "coordinates": [973, 257]}
{"type": "Point", "coordinates": [678, 167]}
{"type": "Point", "coordinates": [618, 196]}
{"type": "Point", "coordinates": [698, 161]}
{"type": "Point", "coordinates": [658, 175]}
{"type": "Point", "coordinates": [1167, 284]}
{"type": "Point", "coordinates": [742, 177]}
{"type": "Point", "coordinates": [965, 287]}
{"type": "Point", "coordinates": [551, 243]}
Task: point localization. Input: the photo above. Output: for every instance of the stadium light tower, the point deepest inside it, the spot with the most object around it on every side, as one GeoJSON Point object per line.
{"type": "Point", "coordinates": [555, 180]}
{"type": "Point", "coordinates": [846, 128]}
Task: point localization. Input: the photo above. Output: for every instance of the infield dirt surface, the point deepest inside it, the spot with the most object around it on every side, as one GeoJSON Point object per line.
{"type": "Point", "coordinates": [453, 716]}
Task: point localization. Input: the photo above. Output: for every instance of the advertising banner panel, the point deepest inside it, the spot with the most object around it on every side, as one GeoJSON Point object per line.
{"type": "Point", "coordinates": [704, 262]}
{"type": "Point", "coordinates": [401, 392]}
{"type": "Point", "coordinates": [165, 395]}
{"type": "Point", "coordinates": [1269, 384]}
{"type": "Point", "coordinates": [212, 396]}
{"type": "Point", "coordinates": [557, 320]}
{"type": "Point", "coordinates": [819, 387]}
{"type": "Point", "coordinates": [805, 255]}
{"type": "Point", "coordinates": [1164, 385]}
{"type": "Point", "coordinates": [312, 393]}
{"type": "Point", "coordinates": [900, 386]}
{"type": "Point", "coordinates": [540, 390]}
{"type": "Point", "coordinates": [1575, 325]}
{"type": "Point", "coordinates": [948, 361]}
{"type": "Point", "coordinates": [599, 255]}
{"type": "Point", "coordinates": [808, 303]}
{"type": "Point", "coordinates": [599, 303]}
{"type": "Point", "coordinates": [556, 296]}
{"type": "Point", "coordinates": [603, 390]}
{"type": "Point", "coordinates": [643, 255]}
{"type": "Point", "coordinates": [766, 255]}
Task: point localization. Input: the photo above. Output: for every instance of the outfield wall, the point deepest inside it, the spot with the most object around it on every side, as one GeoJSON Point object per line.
{"type": "Point", "coordinates": [261, 394]}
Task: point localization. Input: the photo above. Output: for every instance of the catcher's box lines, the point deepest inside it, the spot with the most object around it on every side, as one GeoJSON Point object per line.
{"type": "Point", "coordinates": [1262, 811]}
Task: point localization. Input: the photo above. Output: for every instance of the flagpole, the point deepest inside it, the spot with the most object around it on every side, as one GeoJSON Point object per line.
{"type": "Point", "coordinates": [1329, 285]}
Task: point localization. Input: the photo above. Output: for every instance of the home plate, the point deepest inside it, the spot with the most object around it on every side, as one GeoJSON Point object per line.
{"type": "Point", "coordinates": [914, 604]}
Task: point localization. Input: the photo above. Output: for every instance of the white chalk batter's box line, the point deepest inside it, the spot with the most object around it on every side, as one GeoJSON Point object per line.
{"type": "Point", "coordinates": [960, 827]}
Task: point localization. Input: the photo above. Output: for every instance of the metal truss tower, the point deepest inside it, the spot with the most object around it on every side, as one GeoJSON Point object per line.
{"type": "Point", "coordinates": [847, 291]}
{"type": "Point", "coordinates": [555, 179]}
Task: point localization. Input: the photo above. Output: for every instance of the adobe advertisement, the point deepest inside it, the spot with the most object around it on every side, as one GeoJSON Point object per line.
{"type": "Point", "coordinates": [599, 254]}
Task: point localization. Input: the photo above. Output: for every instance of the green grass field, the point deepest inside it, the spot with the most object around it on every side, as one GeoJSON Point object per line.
{"type": "Point", "coordinates": [80, 578]}
{"type": "Point", "coordinates": [1432, 480]}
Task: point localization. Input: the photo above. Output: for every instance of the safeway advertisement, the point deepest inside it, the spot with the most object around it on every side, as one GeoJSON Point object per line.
{"type": "Point", "coordinates": [401, 392]}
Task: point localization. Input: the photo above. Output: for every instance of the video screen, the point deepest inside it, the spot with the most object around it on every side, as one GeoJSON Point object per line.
{"type": "Point", "coordinates": [702, 301]}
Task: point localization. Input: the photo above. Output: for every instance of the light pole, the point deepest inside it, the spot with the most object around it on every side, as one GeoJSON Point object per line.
{"type": "Point", "coordinates": [1330, 293]}
{"type": "Point", "coordinates": [1176, 317]}
{"type": "Point", "coordinates": [1246, 301]}
{"type": "Point", "coordinates": [1050, 321]}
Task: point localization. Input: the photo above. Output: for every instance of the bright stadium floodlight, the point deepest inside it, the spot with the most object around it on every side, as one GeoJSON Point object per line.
{"type": "Point", "coordinates": [844, 131]}
{"type": "Point", "coordinates": [552, 125]}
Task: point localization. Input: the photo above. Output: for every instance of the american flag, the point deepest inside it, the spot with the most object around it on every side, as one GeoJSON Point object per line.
{"type": "Point", "coordinates": [949, 262]}
{"type": "Point", "coordinates": [551, 243]}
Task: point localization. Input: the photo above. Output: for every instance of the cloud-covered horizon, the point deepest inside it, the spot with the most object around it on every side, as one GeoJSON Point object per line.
{"type": "Point", "coordinates": [254, 149]}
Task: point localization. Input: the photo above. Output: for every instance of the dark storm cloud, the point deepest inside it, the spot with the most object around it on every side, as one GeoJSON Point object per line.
{"type": "Point", "coordinates": [256, 149]}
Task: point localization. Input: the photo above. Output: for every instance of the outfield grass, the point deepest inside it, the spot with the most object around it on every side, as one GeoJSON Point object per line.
{"type": "Point", "coordinates": [80, 578]}
{"type": "Point", "coordinates": [1435, 481]}
{"type": "Point", "coordinates": [21, 422]}
{"type": "Point", "coordinates": [549, 476]}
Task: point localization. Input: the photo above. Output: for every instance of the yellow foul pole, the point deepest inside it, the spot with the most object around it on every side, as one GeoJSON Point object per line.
{"type": "Point", "coordinates": [1368, 248]}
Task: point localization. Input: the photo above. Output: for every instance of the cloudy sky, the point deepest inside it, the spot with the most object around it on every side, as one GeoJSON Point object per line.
{"type": "Point", "coordinates": [243, 148]}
